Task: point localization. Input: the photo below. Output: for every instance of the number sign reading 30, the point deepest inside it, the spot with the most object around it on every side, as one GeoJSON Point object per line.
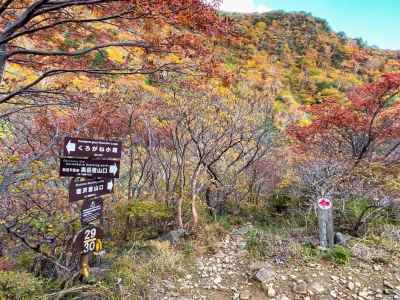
{"type": "Point", "coordinates": [88, 240]}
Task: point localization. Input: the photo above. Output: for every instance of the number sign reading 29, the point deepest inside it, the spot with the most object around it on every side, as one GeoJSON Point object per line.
{"type": "Point", "coordinates": [88, 240]}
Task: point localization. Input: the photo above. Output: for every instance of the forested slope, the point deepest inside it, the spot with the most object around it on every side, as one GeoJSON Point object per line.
{"type": "Point", "coordinates": [222, 118]}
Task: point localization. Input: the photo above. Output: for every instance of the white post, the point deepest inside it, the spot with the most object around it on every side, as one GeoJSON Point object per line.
{"type": "Point", "coordinates": [325, 222]}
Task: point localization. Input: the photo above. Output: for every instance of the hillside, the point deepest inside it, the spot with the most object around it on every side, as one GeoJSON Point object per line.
{"type": "Point", "coordinates": [310, 60]}
{"type": "Point", "coordinates": [211, 139]}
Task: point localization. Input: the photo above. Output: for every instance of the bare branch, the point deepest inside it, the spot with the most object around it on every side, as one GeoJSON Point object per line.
{"type": "Point", "coordinates": [137, 44]}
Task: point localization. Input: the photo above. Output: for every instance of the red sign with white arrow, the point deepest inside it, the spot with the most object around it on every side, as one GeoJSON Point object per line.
{"type": "Point", "coordinates": [325, 203]}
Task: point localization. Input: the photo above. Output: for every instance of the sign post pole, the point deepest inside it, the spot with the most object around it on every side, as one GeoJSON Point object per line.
{"type": "Point", "coordinates": [325, 222]}
{"type": "Point", "coordinates": [99, 162]}
{"type": "Point", "coordinates": [84, 266]}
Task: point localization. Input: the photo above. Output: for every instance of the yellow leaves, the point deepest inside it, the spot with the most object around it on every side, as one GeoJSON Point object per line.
{"type": "Point", "coordinates": [173, 58]}
{"type": "Point", "coordinates": [81, 82]}
{"type": "Point", "coordinates": [251, 63]}
{"type": "Point", "coordinates": [304, 122]}
{"type": "Point", "coordinates": [160, 123]}
{"type": "Point", "coordinates": [223, 91]}
{"type": "Point", "coordinates": [331, 92]}
{"type": "Point", "coordinates": [20, 74]}
{"type": "Point", "coordinates": [85, 84]}
{"type": "Point", "coordinates": [102, 26]}
{"type": "Point", "coordinates": [116, 54]}
{"type": "Point", "coordinates": [261, 25]}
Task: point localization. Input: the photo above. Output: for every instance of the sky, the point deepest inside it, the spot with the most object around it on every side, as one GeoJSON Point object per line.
{"type": "Point", "coordinates": [377, 22]}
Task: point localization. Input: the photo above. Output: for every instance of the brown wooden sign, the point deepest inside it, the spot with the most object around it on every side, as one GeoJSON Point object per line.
{"type": "Point", "coordinates": [88, 240]}
{"type": "Point", "coordinates": [79, 190]}
{"type": "Point", "coordinates": [80, 147]}
{"type": "Point", "coordinates": [91, 210]}
{"type": "Point", "coordinates": [73, 167]}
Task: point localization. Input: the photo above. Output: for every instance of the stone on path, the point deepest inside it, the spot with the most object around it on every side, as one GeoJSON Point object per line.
{"type": "Point", "coordinates": [265, 275]}
{"type": "Point", "coordinates": [245, 295]}
{"type": "Point", "coordinates": [317, 288]}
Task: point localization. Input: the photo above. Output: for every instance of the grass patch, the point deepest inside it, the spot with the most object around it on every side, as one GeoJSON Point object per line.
{"type": "Point", "coordinates": [140, 266]}
{"type": "Point", "coordinates": [338, 254]}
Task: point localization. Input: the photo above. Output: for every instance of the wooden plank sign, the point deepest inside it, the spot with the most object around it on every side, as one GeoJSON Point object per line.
{"type": "Point", "coordinates": [80, 190]}
{"type": "Point", "coordinates": [91, 210]}
{"type": "Point", "coordinates": [88, 240]}
{"type": "Point", "coordinates": [81, 147]}
{"type": "Point", "coordinates": [73, 167]}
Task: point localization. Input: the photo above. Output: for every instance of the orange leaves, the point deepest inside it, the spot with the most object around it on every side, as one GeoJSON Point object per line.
{"type": "Point", "coordinates": [104, 38]}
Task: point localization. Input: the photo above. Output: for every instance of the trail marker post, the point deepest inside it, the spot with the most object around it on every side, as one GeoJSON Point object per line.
{"type": "Point", "coordinates": [99, 162]}
{"type": "Point", "coordinates": [325, 222]}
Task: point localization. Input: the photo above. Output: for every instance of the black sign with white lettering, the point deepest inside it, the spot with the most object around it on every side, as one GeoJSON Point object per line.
{"type": "Point", "coordinates": [80, 147]}
{"type": "Point", "coordinates": [73, 167]}
{"type": "Point", "coordinates": [91, 210]}
{"type": "Point", "coordinates": [79, 190]}
{"type": "Point", "coordinates": [88, 240]}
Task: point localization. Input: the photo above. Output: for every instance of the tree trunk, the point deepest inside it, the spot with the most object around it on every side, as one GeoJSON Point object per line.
{"type": "Point", "coordinates": [195, 216]}
{"type": "Point", "coordinates": [179, 212]}
{"type": "Point", "coordinates": [180, 196]}
{"type": "Point", "coordinates": [2, 60]}
{"type": "Point", "coordinates": [130, 188]}
{"type": "Point", "coordinates": [194, 212]}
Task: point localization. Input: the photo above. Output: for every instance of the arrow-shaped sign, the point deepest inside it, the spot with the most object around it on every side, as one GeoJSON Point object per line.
{"type": "Point", "coordinates": [89, 168]}
{"type": "Point", "coordinates": [89, 189]}
{"type": "Point", "coordinates": [110, 185]}
{"type": "Point", "coordinates": [70, 147]}
{"type": "Point", "coordinates": [83, 147]}
{"type": "Point", "coordinates": [113, 169]}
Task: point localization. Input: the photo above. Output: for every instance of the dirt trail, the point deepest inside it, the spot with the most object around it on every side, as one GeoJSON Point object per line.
{"type": "Point", "coordinates": [230, 275]}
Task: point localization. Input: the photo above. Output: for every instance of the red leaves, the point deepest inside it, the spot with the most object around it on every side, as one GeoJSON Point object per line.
{"type": "Point", "coordinates": [369, 119]}
{"type": "Point", "coordinates": [370, 96]}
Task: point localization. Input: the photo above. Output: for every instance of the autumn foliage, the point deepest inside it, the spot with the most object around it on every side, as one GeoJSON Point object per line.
{"type": "Point", "coordinates": [368, 122]}
{"type": "Point", "coordinates": [218, 114]}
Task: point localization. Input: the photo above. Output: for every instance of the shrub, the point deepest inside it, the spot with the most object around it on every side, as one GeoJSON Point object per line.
{"type": "Point", "coordinates": [225, 222]}
{"type": "Point", "coordinates": [274, 244]}
{"type": "Point", "coordinates": [25, 260]}
{"type": "Point", "coordinates": [254, 245]}
{"type": "Point", "coordinates": [339, 255]}
{"type": "Point", "coordinates": [309, 253]}
{"type": "Point", "coordinates": [20, 286]}
{"type": "Point", "coordinates": [209, 235]}
{"type": "Point", "coordinates": [255, 213]}
{"type": "Point", "coordinates": [142, 264]}
{"type": "Point", "coordinates": [141, 220]}
{"type": "Point", "coordinates": [5, 264]}
{"type": "Point", "coordinates": [359, 216]}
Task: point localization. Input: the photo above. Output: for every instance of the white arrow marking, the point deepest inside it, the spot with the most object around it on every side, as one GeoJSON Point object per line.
{"type": "Point", "coordinates": [70, 146]}
{"type": "Point", "coordinates": [110, 185]}
{"type": "Point", "coordinates": [114, 169]}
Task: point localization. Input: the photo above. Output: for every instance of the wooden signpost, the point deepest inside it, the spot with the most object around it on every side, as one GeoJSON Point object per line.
{"type": "Point", "coordinates": [325, 222]}
{"type": "Point", "coordinates": [74, 167]}
{"type": "Point", "coordinates": [80, 190]}
{"type": "Point", "coordinates": [80, 147]}
{"type": "Point", "coordinates": [81, 159]}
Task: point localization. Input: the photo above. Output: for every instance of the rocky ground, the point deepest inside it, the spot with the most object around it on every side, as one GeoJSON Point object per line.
{"type": "Point", "coordinates": [231, 274]}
